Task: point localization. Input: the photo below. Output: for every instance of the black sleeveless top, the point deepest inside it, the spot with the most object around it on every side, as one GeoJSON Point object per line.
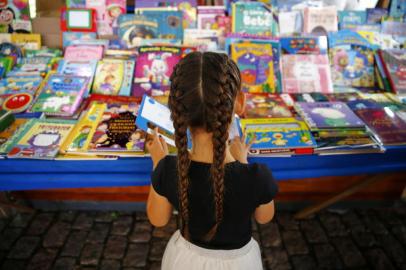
{"type": "Point", "coordinates": [246, 187]}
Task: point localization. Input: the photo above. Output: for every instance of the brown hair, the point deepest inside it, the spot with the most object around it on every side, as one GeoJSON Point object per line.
{"type": "Point", "coordinates": [203, 90]}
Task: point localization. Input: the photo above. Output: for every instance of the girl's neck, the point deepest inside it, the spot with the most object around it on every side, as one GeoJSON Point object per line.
{"type": "Point", "coordinates": [202, 148]}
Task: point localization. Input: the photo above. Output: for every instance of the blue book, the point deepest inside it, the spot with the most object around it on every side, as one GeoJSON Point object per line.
{"type": "Point", "coordinates": [348, 19]}
{"type": "Point", "coordinates": [132, 29]}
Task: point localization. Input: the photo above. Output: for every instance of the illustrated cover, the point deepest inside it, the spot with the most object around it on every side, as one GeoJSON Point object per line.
{"type": "Point", "coordinates": [6, 64]}
{"type": "Point", "coordinates": [114, 77]}
{"type": "Point", "coordinates": [308, 97]}
{"type": "Point", "coordinates": [393, 28]}
{"type": "Point", "coordinates": [114, 9]}
{"type": "Point", "coordinates": [117, 131]}
{"type": "Point", "coordinates": [344, 97]}
{"type": "Point", "coordinates": [276, 133]}
{"type": "Point", "coordinates": [68, 38]}
{"type": "Point", "coordinates": [252, 19]}
{"type": "Point", "coordinates": [83, 53]}
{"type": "Point", "coordinates": [207, 16]}
{"type": "Point", "coordinates": [321, 115]}
{"type": "Point", "coordinates": [320, 21]}
{"type": "Point", "coordinates": [31, 66]}
{"type": "Point", "coordinates": [76, 3]}
{"type": "Point", "coordinates": [44, 52]}
{"type": "Point", "coordinates": [304, 45]}
{"type": "Point", "coordinates": [13, 85]}
{"type": "Point", "coordinates": [132, 29]}
{"type": "Point", "coordinates": [374, 15]}
{"type": "Point", "coordinates": [387, 125]}
{"type": "Point", "coordinates": [79, 68]}
{"type": "Point", "coordinates": [203, 39]}
{"type": "Point", "coordinates": [306, 73]}
{"type": "Point", "coordinates": [394, 62]}
{"type": "Point", "coordinates": [352, 59]}
{"type": "Point", "coordinates": [265, 106]}
{"type": "Point", "coordinates": [9, 136]}
{"type": "Point", "coordinates": [27, 41]}
{"type": "Point", "coordinates": [12, 11]}
{"type": "Point", "coordinates": [16, 103]}
{"type": "Point", "coordinates": [105, 99]}
{"type": "Point", "coordinates": [154, 67]}
{"type": "Point", "coordinates": [61, 95]}
{"type": "Point", "coordinates": [348, 19]}
{"type": "Point", "coordinates": [358, 104]}
{"type": "Point", "coordinates": [256, 65]}
{"type": "Point", "coordinates": [41, 139]}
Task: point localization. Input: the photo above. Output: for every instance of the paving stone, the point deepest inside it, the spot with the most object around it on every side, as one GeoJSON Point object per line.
{"type": "Point", "coordinates": [350, 254]}
{"type": "Point", "coordinates": [400, 233]}
{"type": "Point", "coordinates": [276, 258]}
{"type": "Point", "coordinates": [270, 236]}
{"type": "Point", "coordinates": [115, 247]}
{"type": "Point", "coordinates": [13, 265]}
{"type": "Point", "coordinates": [57, 234]}
{"type": "Point", "coordinates": [141, 232]}
{"type": "Point", "coordinates": [74, 244]}
{"type": "Point", "coordinates": [40, 223]}
{"type": "Point", "coordinates": [393, 248]}
{"type": "Point", "coordinates": [105, 216]}
{"type": "Point", "coordinates": [110, 265]}
{"type": "Point", "coordinates": [303, 262]}
{"type": "Point", "coordinates": [327, 257]}
{"type": "Point", "coordinates": [294, 243]}
{"type": "Point", "coordinates": [313, 231]}
{"type": "Point", "coordinates": [333, 225]}
{"type": "Point", "coordinates": [24, 247]}
{"type": "Point", "coordinates": [137, 255]}
{"type": "Point", "coordinates": [167, 231]}
{"type": "Point", "coordinates": [84, 221]}
{"type": "Point", "coordinates": [21, 220]}
{"type": "Point", "coordinates": [84, 267]}
{"type": "Point", "coordinates": [8, 237]}
{"type": "Point", "coordinates": [372, 222]}
{"type": "Point", "coordinates": [122, 225]}
{"type": "Point", "coordinates": [157, 250]}
{"type": "Point", "coordinates": [64, 263]}
{"type": "Point", "coordinates": [43, 259]}
{"type": "Point", "coordinates": [91, 254]}
{"type": "Point", "coordinates": [3, 224]}
{"type": "Point", "coordinates": [352, 221]}
{"type": "Point", "coordinates": [378, 259]}
{"type": "Point", "coordinates": [98, 233]}
{"type": "Point", "coordinates": [287, 222]}
{"type": "Point", "coordinates": [67, 216]}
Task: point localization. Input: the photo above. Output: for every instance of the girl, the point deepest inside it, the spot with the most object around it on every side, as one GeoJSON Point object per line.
{"type": "Point", "coordinates": [212, 186]}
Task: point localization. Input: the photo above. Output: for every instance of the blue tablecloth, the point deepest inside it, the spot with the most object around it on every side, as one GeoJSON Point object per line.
{"type": "Point", "coordinates": [41, 174]}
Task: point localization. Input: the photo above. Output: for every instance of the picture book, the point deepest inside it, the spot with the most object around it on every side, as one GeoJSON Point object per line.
{"type": "Point", "coordinates": [132, 29]}
{"type": "Point", "coordinates": [255, 61]}
{"type": "Point", "coordinates": [304, 45]}
{"type": "Point", "coordinates": [207, 16]}
{"type": "Point", "coordinates": [394, 63]}
{"type": "Point", "coordinates": [9, 136]}
{"type": "Point", "coordinates": [387, 125]}
{"type": "Point", "coordinates": [27, 41]}
{"type": "Point", "coordinates": [44, 52]}
{"type": "Point", "coordinates": [290, 22]}
{"type": "Point", "coordinates": [265, 106]}
{"type": "Point", "coordinates": [114, 77]}
{"type": "Point", "coordinates": [113, 100]}
{"type": "Point", "coordinates": [308, 97]}
{"type": "Point", "coordinates": [76, 3]}
{"type": "Point", "coordinates": [12, 11]}
{"type": "Point", "coordinates": [6, 119]}
{"type": "Point", "coordinates": [306, 73]}
{"type": "Point", "coordinates": [374, 15]}
{"type": "Point", "coordinates": [32, 66]}
{"type": "Point", "coordinates": [83, 53]}
{"type": "Point", "coordinates": [348, 19]}
{"type": "Point", "coordinates": [16, 103]}
{"type": "Point", "coordinates": [320, 21]}
{"type": "Point", "coordinates": [154, 67]}
{"type": "Point", "coordinates": [397, 8]}
{"type": "Point", "coordinates": [344, 97]}
{"type": "Point", "coordinates": [79, 68]}
{"type": "Point", "coordinates": [41, 139]}
{"type": "Point", "coordinates": [114, 9]}
{"type": "Point", "coordinates": [203, 39]}
{"type": "Point", "coordinates": [359, 104]}
{"type": "Point", "coordinates": [69, 37]}
{"type": "Point", "coordinates": [13, 85]}
{"type": "Point", "coordinates": [324, 115]}
{"type": "Point", "coordinates": [352, 59]}
{"type": "Point", "coordinates": [61, 95]}
{"type": "Point", "coordinates": [394, 28]}
{"type": "Point", "coordinates": [252, 19]}
{"type": "Point", "coordinates": [6, 64]}
{"type": "Point", "coordinates": [276, 133]}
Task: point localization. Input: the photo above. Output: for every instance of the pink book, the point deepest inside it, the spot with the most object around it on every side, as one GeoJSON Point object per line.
{"type": "Point", "coordinates": [306, 73]}
{"type": "Point", "coordinates": [320, 20]}
{"type": "Point", "coordinates": [83, 53]}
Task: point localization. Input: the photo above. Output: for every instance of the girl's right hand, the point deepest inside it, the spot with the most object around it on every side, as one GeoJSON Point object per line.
{"type": "Point", "coordinates": [239, 149]}
{"type": "Point", "coordinates": [157, 147]}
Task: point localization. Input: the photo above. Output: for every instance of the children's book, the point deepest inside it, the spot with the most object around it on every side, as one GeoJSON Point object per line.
{"type": "Point", "coordinates": [44, 52]}
{"type": "Point", "coordinates": [41, 139]}
{"type": "Point", "coordinates": [344, 97]}
{"type": "Point", "coordinates": [61, 95]}
{"type": "Point", "coordinates": [31, 66]}
{"type": "Point", "coordinates": [308, 97]}
{"type": "Point", "coordinates": [304, 45]}
{"type": "Point", "coordinates": [27, 41]}
{"type": "Point", "coordinates": [83, 53]}
{"type": "Point", "coordinates": [255, 61]}
{"type": "Point", "coordinates": [325, 115]}
{"type": "Point", "coordinates": [68, 38]}
{"type": "Point", "coordinates": [13, 85]}
{"type": "Point", "coordinates": [348, 19]}
{"type": "Point", "coordinates": [352, 59]}
{"type": "Point", "coordinates": [203, 39]}
{"type": "Point", "coordinates": [265, 106]}
{"type": "Point", "coordinates": [114, 77]}
{"type": "Point", "coordinates": [397, 8]}
{"type": "Point", "coordinates": [114, 9]}
{"type": "Point", "coordinates": [76, 3]}
{"type": "Point", "coordinates": [394, 28]}
{"type": "Point", "coordinates": [154, 67]}
{"type": "Point", "coordinates": [9, 136]}
{"type": "Point", "coordinates": [132, 29]}
{"type": "Point", "coordinates": [394, 63]}
{"type": "Point", "coordinates": [276, 133]}
{"type": "Point", "coordinates": [12, 11]}
{"type": "Point", "coordinates": [6, 64]}
{"type": "Point", "coordinates": [320, 21]}
{"type": "Point", "coordinates": [207, 16]}
{"type": "Point", "coordinates": [374, 15]}
{"type": "Point", "coordinates": [16, 103]}
{"type": "Point", "coordinates": [290, 22]}
{"type": "Point", "coordinates": [79, 68]}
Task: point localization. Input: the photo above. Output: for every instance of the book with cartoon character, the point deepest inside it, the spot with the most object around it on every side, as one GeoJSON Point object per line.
{"type": "Point", "coordinates": [271, 134]}
{"type": "Point", "coordinates": [325, 115]}
{"type": "Point", "coordinates": [8, 135]}
{"type": "Point", "coordinates": [114, 77]}
{"type": "Point", "coordinates": [60, 95]}
{"type": "Point", "coordinates": [153, 69]}
{"type": "Point", "coordinates": [394, 63]}
{"type": "Point", "coordinates": [79, 68]}
{"type": "Point", "coordinates": [265, 106]}
{"type": "Point", "coordinates": [13, 85]}
{"type": "Point", "coordinates": [12, 11]}
{"type": "Point", "coordinates": [132, 29]}
{"type": "Point", "coordinates": [351, 59]}
{"type": "Point", "coordinates": [320, 20]}
{"type": "Point", "coordinates": [41, 139]}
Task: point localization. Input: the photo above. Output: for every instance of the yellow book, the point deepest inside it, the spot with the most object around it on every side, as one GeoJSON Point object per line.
{"type": "Point", "coordinates": [27, 41]}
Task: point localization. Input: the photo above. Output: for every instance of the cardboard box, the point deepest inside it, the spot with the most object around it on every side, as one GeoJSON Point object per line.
{"type": "Point", "coordinates": [49, 8]}
{"type": "Point", "coordinates": [49, 28]}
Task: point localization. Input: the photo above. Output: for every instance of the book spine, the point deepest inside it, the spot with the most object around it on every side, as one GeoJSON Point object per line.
{"type": "Point", "coordinates": [387, 73]}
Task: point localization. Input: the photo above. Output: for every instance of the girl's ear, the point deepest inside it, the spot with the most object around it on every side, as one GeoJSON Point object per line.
{"type": "Point", "coordinates": [239, 104]}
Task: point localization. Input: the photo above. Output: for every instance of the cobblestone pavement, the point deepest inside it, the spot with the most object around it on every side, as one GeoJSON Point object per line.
{"type": "Point", "coordinates": [348, 239]}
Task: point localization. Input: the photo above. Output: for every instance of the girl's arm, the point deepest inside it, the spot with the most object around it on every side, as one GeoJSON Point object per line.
{"type": "Point", "coordinates": [265, 212]}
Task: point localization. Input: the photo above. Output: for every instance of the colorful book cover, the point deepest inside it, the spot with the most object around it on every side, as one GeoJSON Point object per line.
{"type": "Point", "coordinates": [276, 133]}
{"type": "Point", "coordinates": [386, 124]}
{"type": "Point", "coordinates": [320, 21]}
{"type": "Point", "coordinates": [203, 39]}
{"type": "Point", "coordinates": [12, 11]}
{"type": "Point", "coordinates": [394, 28]}
{"type": "Point", "coordinates": [114, 77]}
{"type": "Point", "coordinates": [76, 3]}
{"type": "Point", "coordinates": [6, 64]}
{"type": "Point", "coordinates": [394, 63]}
{"type": "Point", "coordinates": [255, 61]}
{"type": "Point", "coordinates": [265, 106]}
{"type": "Point", "coordinates": [16, 103]}
{"type": "Point", "coordinates": [344, 97]}
{"type": "Point", "coordinates": [359, 104]}
{"type": "Point", "coordinates": [132, 29]}
{"type": "Point", "coordinates": [207, 16]}
{"type": "Point", "coordinates": [252, 19]}
{"type": "Point", "coordinates": [61, 95]}
{"type": "Point", "coordinates": [306, 73]}
{"type": "Point", "coordinates": [374, 15]}
{"type": "Point", "coordinates": [41, 139]}
{"type": "Point", "coordinates": [83, 53]}
{"type": "Point", "coordinates": [69, 37]}
{"type": "Point", "coordinates": [348, 19]}
{"type": "Point", "coordinates": [114, 9]}
{"type": "Point", "coordinates": [27, 41]}
{"type": "Point", "coordinates": [304, 45]}
{"type": "Point", "coordinates": [44, 52]}
{"type": "Point", "coordinates": [79, 68]}
{"type": "Point", "coordinates": [397, 8]}
{"type": "Point", "coordinates": [9, 136]}
{"type": "Point", "coordinates": [31, 66]}
{"type": "Point", "coordinates": [352, 59]}
{"type": "Point", "coordinates": [13, 85]}
{"type": "Point", "coordinates": [154, 67]}
{"type": "Point", "coordinates": [322, 115]}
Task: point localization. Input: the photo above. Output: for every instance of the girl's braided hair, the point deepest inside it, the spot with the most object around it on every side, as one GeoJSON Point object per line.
{"type": "Point", "coordinates": [203, 90]}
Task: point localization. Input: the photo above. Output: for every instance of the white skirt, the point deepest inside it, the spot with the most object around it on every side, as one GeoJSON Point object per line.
{"type": "Point", "coordinates": [181, 254]}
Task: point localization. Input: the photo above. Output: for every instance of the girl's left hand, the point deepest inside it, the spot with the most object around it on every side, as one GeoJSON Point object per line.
{"type": "Point", "coordinates": [157, 147]}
